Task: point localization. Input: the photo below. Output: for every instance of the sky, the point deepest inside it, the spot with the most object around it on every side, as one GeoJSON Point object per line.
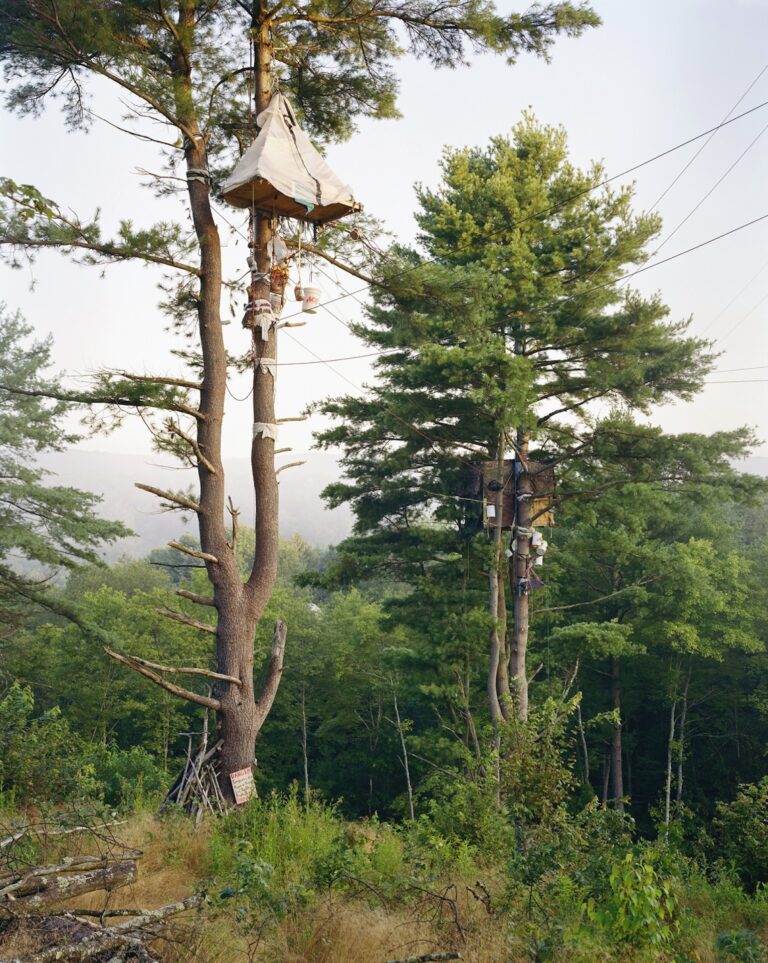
{"type": "Point", "coordinates": [655, 74]}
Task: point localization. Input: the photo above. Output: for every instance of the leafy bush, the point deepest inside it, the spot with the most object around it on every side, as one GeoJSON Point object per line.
{"type": "Point", "coordinates": [41, 759]}
{"type": "Point", "coordinates": [271, 854]}
{"type": "Point", "coordinates": [740, 832]}
{"type": "Point", "coordinates": [740, 946]}
{"type": "Point", "coordinates": [638, 907]}
{"type": "Point", "coordinates": [126, 777]}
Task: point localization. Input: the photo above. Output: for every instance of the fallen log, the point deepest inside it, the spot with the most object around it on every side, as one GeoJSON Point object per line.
{"type": "Point", "coordinates": [124, 937]}
{"type": "Point", "coordinates": [425, 958]}
{"type": "Point", "coordinates": [43, 886]}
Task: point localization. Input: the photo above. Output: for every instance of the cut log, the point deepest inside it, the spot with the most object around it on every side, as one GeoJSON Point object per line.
{"type": "Point", "coordinates": [125, 938]}
{"type": "Point", "coordinates": [38, 889]}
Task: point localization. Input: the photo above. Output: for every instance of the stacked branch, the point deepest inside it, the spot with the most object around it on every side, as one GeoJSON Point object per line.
{"type": "Point", "coordinates": [29, 894]}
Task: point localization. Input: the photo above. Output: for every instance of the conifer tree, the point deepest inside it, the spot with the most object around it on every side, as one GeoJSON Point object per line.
{"type": "Point", "coordinates": [186, 65]}
{"type": "Point", "coordinates": [44, 528]}
{"type": "Point", "coordinates": [497, 336]}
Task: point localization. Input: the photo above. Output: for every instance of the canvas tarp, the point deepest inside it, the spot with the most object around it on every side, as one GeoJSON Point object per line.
{"type": "Point", "coordinates": [282, 172]}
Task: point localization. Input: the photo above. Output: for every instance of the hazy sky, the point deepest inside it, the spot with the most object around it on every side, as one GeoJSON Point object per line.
{"type": "Point", "coordinates": [655, 74]}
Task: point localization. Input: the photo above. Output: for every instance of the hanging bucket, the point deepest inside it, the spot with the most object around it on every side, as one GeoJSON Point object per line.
{"type": "Point", "coordinates": [311, 299]}
{"type": "Point", "coordinates": [298, 292]}
{"type": "Point", "coordinates": [276, 302]}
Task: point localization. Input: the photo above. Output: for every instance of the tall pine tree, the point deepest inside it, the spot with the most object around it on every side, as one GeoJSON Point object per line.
{"type": "Point", "coordinates": [189, 67]}
{"type": "Point", "coordinates": [499, 333]}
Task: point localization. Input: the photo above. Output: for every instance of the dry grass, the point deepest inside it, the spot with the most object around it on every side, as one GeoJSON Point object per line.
{"type": "Point", "coordinates": [342, 926]}
{"type": "Point", "coordinates": [338, 928]}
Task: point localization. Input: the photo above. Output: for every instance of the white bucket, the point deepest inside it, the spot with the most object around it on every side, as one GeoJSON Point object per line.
{"type": "Point", "coordinates": [298, 292]}
{"type": "Point", "coordinates": [311, 299]}
{"type": "Point", "coordinates": [276, 302]}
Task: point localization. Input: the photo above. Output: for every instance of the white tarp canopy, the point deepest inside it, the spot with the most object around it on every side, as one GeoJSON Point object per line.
{"type": "Point", "coordinates": [282, 172]}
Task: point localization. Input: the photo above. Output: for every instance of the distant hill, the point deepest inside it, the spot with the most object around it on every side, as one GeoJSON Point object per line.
{"type": "Point", "coordinates": [302, 510]}
{"type": "Point", "coordinates": [113, 475]}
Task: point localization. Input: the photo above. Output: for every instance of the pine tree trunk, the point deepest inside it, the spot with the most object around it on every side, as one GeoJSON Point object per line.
{"type": "Point", "coordinates": [681, 738]}
{"type": "Point", "coordinates": [498, 617]}
{"type": "Point", "coordinates": [237, 715]}
{"type": "Point", "coordinates": [520, 570]}
{"type": "Point", "coordinates": [239, 607]}
{"type": "Point", "coordinates": [304, 744]}
{"type": "Point", "coordinates": [502, 675]}
{"type": "Point", "coordinates": [670, 752]}
{"type": "Point", "coordinates": [617, 769]}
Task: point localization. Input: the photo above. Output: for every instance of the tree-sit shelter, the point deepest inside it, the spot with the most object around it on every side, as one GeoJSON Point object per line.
{"type": "Point", "coordinates": [282, 174]}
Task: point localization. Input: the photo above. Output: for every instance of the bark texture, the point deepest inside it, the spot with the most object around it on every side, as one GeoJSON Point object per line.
{"type": "Point", "coordinates": [520, 567]}
{"type": "Point", "coordinates": [617, 769]}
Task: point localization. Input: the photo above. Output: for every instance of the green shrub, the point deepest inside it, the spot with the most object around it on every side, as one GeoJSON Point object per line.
{"type": "Point", "coordinates": [126, 777]}
{"type": "Point", "coordinates": [270, 855]}
{"type": "Point", "coordinates": [638, 906]}
{"type": "Point", "coordinates": [740, 833]}
{"type": "Point", "coordinates": [41, 759]}
{"type": "Point", "coordinates": [740, 946]}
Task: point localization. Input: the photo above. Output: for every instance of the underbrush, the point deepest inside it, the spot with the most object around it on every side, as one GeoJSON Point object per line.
{"type": "Point", "coordinates": [289, 881]}
{"type": "Point", "coordinates": [296, 882]}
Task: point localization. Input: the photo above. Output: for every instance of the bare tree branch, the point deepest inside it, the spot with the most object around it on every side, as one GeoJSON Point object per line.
{"type": "Point", "coordinates": [194, 597]}
{"type": "Point", "coordinates": [180, 500]}
{"type": "Point", "coordinates": [205, 556]}
{"type": "Point", "coordinates": [347, 268]}
{"type": "Point", "coordinates": [184, 670]}
{"type": "Point", "coordinates": [291, 464]}
{"type": "Point", "coordinates": [164, 683]}
{"type": "Point", "coordinates": [185, 620]}
{"type": "Point", "coordinates": [274, 672]}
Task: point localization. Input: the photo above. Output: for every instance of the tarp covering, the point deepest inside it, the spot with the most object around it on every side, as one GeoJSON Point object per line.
{"type": "Point", "coordinates": [282, 172]}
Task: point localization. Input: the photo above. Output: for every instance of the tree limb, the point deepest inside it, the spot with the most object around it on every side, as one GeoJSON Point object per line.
{"type": "Point", "coordinates": [319, 252]}
{"type": "Point", "coordinates": [112, 251]}
{"type": "Point", "coordinates": [186, 620]}
{"type": "Point", "coordinates": [602, 598]}
{"type": "Point", "coordinates": [174, 429]}
{"type": "Point", "coordinates": [180, 500]}
{"type": "Point", "coordinates": [161, 380]}
{"type": "Point", "coordinates": [209, 673]}
{"type": "Point", "coordinates": [84, 398]}
{"type": "Point", "coordinates": [194, 597]}
{"type": "Point", "coordinates": [291, 464]}
{"type": "Point", "coordinates": [163, 683]}
{"type": "Point", "coordinates": [274, 673]}
{"type": "Point", "coordinates": [205, 556]}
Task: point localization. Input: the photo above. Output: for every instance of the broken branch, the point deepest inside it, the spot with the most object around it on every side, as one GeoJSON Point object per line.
{"type": "Point", "coordinates": [194, 597]}
{"type": "Point", "coordinates": [185, 670]}
{"type": "Point", "coordinates": [181, 500]}
{"type": "Point", "coordinates": [164, 683]}
{"type": "Point", "coordinates": [192, 551]}
{"type": "Point", "coordinates": [291, 464]}
{"type": "Point", "coordinates": [186, 620]}
{"type": "Point", "coordinates": [274, 672]}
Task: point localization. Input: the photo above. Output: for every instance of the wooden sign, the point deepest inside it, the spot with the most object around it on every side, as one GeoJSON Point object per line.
{"type": "Point", "coordinates": [242, 785]}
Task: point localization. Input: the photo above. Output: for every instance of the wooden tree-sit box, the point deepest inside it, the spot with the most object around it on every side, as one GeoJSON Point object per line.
{"type": "Point", "coordinates": [479, 475]}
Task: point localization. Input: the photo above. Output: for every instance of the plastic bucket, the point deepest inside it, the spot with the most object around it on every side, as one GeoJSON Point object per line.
{"type": "Point", "coordinates": [276, 303]}
{"type": "Point", "coordinates": [311, 299]}
{"type": "Point", "coordinates": [298, 292]}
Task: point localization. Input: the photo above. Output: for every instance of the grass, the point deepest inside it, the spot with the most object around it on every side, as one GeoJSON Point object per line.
{"type": "Point", "coordinates": [289, 884]}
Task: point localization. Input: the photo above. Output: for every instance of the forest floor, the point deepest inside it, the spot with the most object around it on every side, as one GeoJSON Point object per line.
{"type": "Point", "coordinates": [365, 922]}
